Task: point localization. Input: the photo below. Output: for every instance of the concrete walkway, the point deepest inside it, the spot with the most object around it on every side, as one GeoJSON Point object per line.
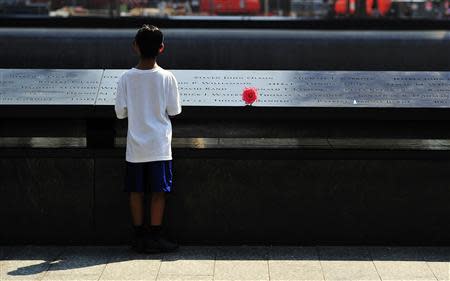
{"type": "Point", "coordinates": [226, 263]}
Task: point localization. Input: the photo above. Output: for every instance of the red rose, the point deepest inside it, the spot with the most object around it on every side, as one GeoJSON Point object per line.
{"type": "Point", "coordinates": [250, 95]}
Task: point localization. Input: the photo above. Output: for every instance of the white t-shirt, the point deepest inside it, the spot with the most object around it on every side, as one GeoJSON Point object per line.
{"type": "Point", "coordinates": [147, 98]}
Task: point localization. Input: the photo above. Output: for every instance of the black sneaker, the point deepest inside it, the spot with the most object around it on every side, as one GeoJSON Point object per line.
{"type": "Point", "coordinates": [138, 245]}
{"type": "Point", "coordinates": [160, 244]}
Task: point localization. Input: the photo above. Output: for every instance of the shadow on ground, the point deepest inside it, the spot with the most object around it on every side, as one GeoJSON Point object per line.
{"type": "Point", "coordinates": [32, 260]}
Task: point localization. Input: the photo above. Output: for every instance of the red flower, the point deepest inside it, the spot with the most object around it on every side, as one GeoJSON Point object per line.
{"type": "Point", "coordinates": [250, 95]}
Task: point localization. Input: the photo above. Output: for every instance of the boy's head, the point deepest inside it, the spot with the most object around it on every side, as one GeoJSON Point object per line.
{"type": "Point", "coordinates": [148, 42]}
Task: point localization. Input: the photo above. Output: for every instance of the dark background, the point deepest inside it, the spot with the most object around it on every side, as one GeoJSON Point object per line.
{"type": "Point", "coordinates": [231, 196]}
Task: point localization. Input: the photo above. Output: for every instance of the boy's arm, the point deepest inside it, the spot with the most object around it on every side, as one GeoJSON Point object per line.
{"type": "Point", "coordinates": [121, 100]}
{"type": "Point", "coordinates": [173, 97]}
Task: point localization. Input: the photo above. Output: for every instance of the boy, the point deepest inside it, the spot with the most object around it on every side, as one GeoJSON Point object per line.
{"type": "Point", "coordinates": [147, 94]}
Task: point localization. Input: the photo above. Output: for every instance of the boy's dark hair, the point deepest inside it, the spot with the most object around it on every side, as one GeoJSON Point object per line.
{"type": "Point", "coordinates": [149, 39]}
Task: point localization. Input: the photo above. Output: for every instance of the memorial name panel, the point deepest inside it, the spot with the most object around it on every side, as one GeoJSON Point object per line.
{"type": "Point", "coordinates": [305, 88]}
{"type": "Point", "coordinates": [49, 86]}
{"type": "Point", "coordinates": [225, 87]}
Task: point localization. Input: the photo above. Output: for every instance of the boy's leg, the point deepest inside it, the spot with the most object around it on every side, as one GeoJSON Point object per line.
{"type": "Point", "coordinates": [161, 182]}
{"type": "Point", "coordinates": [137, 208]}
{"type": "Point", "coordinates": [158, 242]}
{"type": "Point", "coordinates": [161, 175]}
{"type": "Point", "coordinates": [157, 208]}
{"type": "Point", "coordinates": [137, 218]}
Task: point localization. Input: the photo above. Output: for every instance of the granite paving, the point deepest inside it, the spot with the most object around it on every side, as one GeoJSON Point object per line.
{"type": "Point", "coordinates": [223, 263]}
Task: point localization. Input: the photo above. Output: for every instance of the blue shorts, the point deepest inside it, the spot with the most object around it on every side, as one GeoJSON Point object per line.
{"type": "Point", "coordinates": [155, 176]}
